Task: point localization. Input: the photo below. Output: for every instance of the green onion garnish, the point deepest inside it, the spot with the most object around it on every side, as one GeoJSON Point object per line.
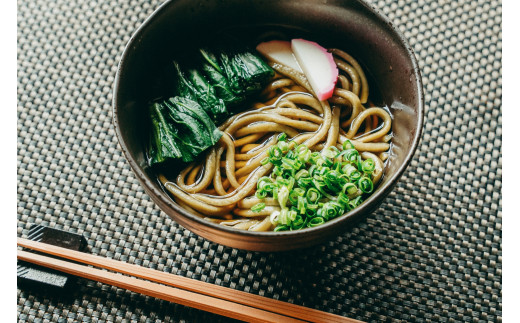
{"type": "Point", "coordinates": [258, 207]}
{"type": "Point", "coordinates": [313, 187]}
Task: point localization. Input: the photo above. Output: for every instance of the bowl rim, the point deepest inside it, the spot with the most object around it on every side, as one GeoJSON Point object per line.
{"type": "Point", "coordinates": [378, 195]}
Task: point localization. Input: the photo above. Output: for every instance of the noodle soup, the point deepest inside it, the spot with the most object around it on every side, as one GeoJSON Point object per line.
{"type": "Point", "coordinates": [339, 145]}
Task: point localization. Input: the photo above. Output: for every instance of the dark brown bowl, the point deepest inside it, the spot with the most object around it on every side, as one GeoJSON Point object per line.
{"type": "Point", "coordinates": [353, 26]}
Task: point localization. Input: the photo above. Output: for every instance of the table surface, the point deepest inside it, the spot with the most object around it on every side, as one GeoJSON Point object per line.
{"type": "Point", "coordinates": [431, 252]}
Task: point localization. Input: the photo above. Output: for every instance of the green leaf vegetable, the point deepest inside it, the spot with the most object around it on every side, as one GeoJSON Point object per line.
{"type": "Point", "coordinates": [215, 76]}
{"type": "Point", "coordinates": [183, 126]}
{"type": "Point", "coordinates": [181, 129]}
{"type": "Point", "coordinates": [313, 187]}
{"type": "Point", "coordinates": [245, 71]}
{"type": "Point", "coordinates": [194, 86]}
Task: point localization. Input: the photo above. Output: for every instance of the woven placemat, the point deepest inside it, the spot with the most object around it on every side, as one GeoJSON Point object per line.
{"type": "Point", "coordinates": [431, 252]}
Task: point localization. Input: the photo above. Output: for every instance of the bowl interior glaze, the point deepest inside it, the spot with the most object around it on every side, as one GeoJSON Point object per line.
{"type": "Point", "coordinates": [352, 26]}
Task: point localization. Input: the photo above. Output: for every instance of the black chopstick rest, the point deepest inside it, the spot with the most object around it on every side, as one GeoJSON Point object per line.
{"type": "Point", "coordinates": [34, 276]}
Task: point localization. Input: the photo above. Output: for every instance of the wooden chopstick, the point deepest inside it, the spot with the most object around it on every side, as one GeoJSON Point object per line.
{"type": "Point", "coordinates": [251, 301]}
{"type": "Point", "coordinates": [179, 296]}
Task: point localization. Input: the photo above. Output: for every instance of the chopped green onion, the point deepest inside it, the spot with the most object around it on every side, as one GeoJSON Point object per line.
{"type": "Point", "coordinates": [297, 223]}
{"type": "Point", "coordinates": [283, 146]}
{"type": "Point", "coordinates": [313, 195]}
{"type": "Point", "coordinates": [261, 194]}
{"type": "Point", "coordinates": [283, 196]}
{"type": "Point", "coordinates": [275, 153]}
{"type": "Point", "coordinates": [343, 199]}
{"type": "Point", "coordinates": [301, 173]}
{"type": "Point", "coordinates": [281, 228]}
{"type": "Point", "coordinates": [350, 189]}
{"type": "Point", "coordinates": [347, 144]}
{"type": "Point", "coordinates": [329, 152]}
{"type": "Point", "coordinates": [365, 185]}
{"type": "Point", "coordinates": [258, 207]}
{"type": "Point", "coordinates": [295, 194]}
{"type": "Point", "coordinates": [314, 222]}
{"type": "Point", "coordinates": [368, 165]}
{"type": "Point", "coordinates": [313, 187]}
{"type": "Point", "coordinates": [355, 202]}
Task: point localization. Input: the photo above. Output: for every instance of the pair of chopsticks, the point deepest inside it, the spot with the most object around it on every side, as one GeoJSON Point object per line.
{"type": "Point", "coordinates": [173, 288]}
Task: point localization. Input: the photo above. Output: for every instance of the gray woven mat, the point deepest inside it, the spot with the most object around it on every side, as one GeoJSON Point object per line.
{"type": "Point", "coordinates": [431, 252]}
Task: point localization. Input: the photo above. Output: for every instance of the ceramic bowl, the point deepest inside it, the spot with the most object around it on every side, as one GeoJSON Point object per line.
{"type": "Point", "coordinates": [353, 26]}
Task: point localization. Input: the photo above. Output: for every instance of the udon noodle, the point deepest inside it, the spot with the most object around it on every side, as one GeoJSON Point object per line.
{"type": "Point", "coordinates": [221, 187]}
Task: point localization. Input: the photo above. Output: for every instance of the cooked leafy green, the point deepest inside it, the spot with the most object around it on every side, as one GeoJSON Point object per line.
{"type": "Point", "coordinates": [215, 76]}
{"type": "Point", "coordinates": [183, 126]}
{"type": "Point", "coordinates": [246, 72]}
{"type": "Point", "coordinates": [193, 85]}
{"type": "Point", "coordinates": [164, 143]}
{"type": "Point", "coordinates": [181, 129]}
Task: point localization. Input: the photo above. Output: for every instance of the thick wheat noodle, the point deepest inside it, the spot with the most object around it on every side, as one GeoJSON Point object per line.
{"type": "Point", "coordinates": [315, 104]}
{"type": "Point", "coordinates": [182, 175]}
{"type": "Point", "coordinates": [216, 210]}
{"type": "Point", "coordinates": [229, 121]}
{"type": "Point", "coordinates": [256, 117]}
{"type": "Point", "coordinates": [264, 225]}
{"type": "Point", "coordinates": [209, 172]}
{"type": "Point", "coordinates": [192, 176]}
{"type": "Point", "coordinates": [364, 83]}
{"type": "Point", "coordinates": [227, 186]}
{"type": "Point", "coordinates": [298, 77]}
{"type": "Point", "coordinates": [258, 105]}
{"type": "Point", "coordinates": [357, 107]}
{"type": "Point", "coordinates": [383, 156]}
{"type": "Point", "coordinates": [375, 147]}
{"type": "Point", "coordinates": [386, 138]}
{"type": "Point", "coordinates": [238, 163]}
{"type": "Point", "coordinates": [324, 129]}
{"type": "Point", "coordinates": [251, 154]}
{"type": "Point", "coordinates": [247, 148]}
{"type": "Point", "coordinates": [351, 71]}
{"type": "Point", "coordinates": [217, 180]}
{"type": "Point", "coordinates": [332, 136]}
{"type": "Point", "coordinates": [340, 101]}
{"type": "Point", "coordinates": [230, 159]}
{"type": "Point", "coordinates": [239, 194]}
{"type": "Point", "coordinates": [305, 99]}
{"type": "Point", "coordinates": [249, 201]}
{"type": "Point", "coordinates": [245, 225]}
{"type": "Point", "coordinates": [286, 90]}
{"type": "Point", "coordinates": [247, 213]}
{"type": "Point", "coordinates": [297, 88]}
{"type": "Point", "coordinates": [252, 164]}
{"type": "Point", "coordinates": [272, 101]}
{"type": "Point", "coordinates": [208, 191]}
{"type": "Point", "coordinates": [248, 139]}
{"type": "Point", "coordinates": [266, 127]}
{"type": "Point", "coordinates": [344, 82]}
{"type": "Point", "coordinates": [228, 222]}
{"type": "Point", "coordinates": [387, 124]}
{"type": "Point", "coordinates": [277, 84]}
{"type": "Point", "coordinates": [378, 171]}
{"type": "Point", "coordinates": [298, 113]}
{"type": "Point", "coordinates": [189, 208]}
{"type": "Point", "coordinates": [284, 103]}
